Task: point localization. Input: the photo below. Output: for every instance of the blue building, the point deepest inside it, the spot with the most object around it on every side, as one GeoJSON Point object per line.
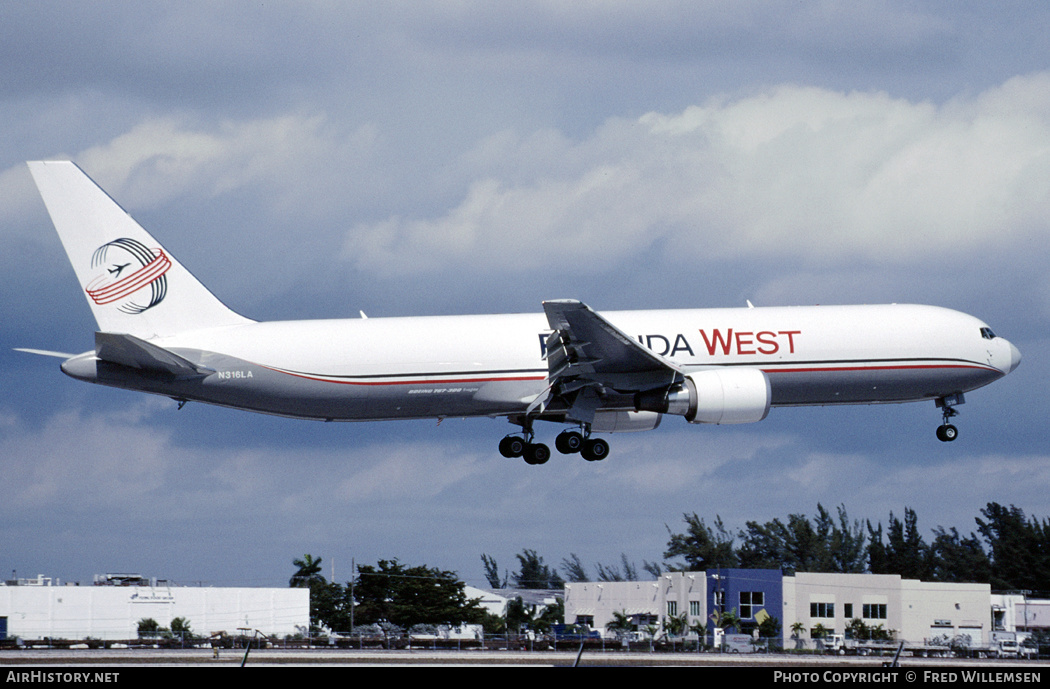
{"type": "Point", "coordinates": [753, 594]}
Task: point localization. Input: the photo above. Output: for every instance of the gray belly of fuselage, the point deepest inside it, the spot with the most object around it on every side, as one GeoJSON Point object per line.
{"type": "Point", "coordinates": [814, 388]}
{"type": "Point", "coordinates": [243, 385]}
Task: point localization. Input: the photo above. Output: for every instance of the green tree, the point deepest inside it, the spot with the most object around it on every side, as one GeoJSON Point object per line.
{"type": "Point", "coordinates": [180, 626]}
{"type": "Point", "coordinates": [329, 602]}
{"type": "Point", "coordinates": [956, 559]}
{"type": "Point", "coordinates": [330, 607]}
{"type": "Point", "coordinates": [797, 628]}
{"type": "Point", "coordinates": [903, 552]}
{"type": "Point", "coordinates": [906, 552]}
{"type": "Point", "coordinates": [492, 572]}
{"type": "Point", "coordinates": [701, 546]}
{"type": "Point", "coordinates": [653, 568]}
{"type": "Point", "coordinates": [309, 571]}
{"type": "Point", "coordinates": [769, 627]}
{"type": "Point", "coordinates": [876, 550]}
{"type": "Point", "coordinates": [676, 625]}
{"type": "Point", "coordinates": [534, 574]}
{"type": "Point", "coordinates": [847, 545]}
{"type": "Point", "coordinates": [149, 628]}
{"type": "Point", "coordinates": [726, 619]}
{"type": "Point", "coordinates": [856, 629]}
{"type": "Point", "coordinates": [573, 568]}
{"type": "Point", "coordinates": [621, 624]}
{"type": "Point", "coordinates": [1019, 548]}
{"type": "Point", "coordinates": [551, 615]}
{"type": "Point", "coordinates": [795, 546]}
{"type": "Point", "coordinates": [520, 616]}
{"type": "Point", "coordinates": [614, 573]}
{"type": "Point", "coordinates": [803, 545]}
{"type": "Point", "coordinates": [406, 596]}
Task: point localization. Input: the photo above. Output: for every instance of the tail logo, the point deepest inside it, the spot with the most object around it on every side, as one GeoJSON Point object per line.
{"type": "Point", "coordinates": [129, 275]}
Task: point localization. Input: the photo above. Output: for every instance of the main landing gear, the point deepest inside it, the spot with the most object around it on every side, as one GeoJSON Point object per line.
{"type": "Point", "coordinates": [946, 432]}
{"type": "Point", "coordinates": [568, 442]}
{"type": "Point", "coordinates": [522, 446]}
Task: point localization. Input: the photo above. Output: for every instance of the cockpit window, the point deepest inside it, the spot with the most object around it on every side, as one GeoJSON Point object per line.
{"type": "Point", "coordinates": [987, 333]}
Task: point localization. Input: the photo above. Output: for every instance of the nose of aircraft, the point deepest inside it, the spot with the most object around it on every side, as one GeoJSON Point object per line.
{"type": "Point", "coordinates": [1015, 357]}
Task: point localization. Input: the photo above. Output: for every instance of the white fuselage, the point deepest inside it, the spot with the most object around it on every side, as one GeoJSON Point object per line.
{"type": "Point", "coordinates": [490, 365]}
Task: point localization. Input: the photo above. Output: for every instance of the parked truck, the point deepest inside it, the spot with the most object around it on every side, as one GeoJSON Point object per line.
{"type": "Point", "coordinates": [1013, 645]}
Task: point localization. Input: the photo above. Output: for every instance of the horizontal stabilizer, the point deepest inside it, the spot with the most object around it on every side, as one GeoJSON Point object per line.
{"type": "Point", "coordinates": [45, 352]}
{"type": "Point", "coordinates": [130, 351]}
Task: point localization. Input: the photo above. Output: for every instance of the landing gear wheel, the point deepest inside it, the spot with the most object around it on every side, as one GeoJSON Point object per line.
{"type": "Point", "coordinates": [512, 446]}
{"type": "Point", "coordinates": [568, 442]}
{"type": "Point", "coordinates": [594, 449]}
{"type": "Point", "coordinates": [537, 453]}
{"type": "Point", "coordinates": [947, 433]}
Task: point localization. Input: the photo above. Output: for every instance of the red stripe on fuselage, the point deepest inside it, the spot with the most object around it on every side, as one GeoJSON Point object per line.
{"type": "Point", "coordinates": [422, 381]}
{"type": "Point", "coordinates": [897, 367]}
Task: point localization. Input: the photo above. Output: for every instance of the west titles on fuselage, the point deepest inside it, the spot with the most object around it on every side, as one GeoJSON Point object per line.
{"type": "Point", "coordinates": [716, 342]}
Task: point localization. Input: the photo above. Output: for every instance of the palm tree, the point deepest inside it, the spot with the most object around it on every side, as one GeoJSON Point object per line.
{"type": "Point", "coordinates": [309, 572]}
{"type": "Point", "coordinates": [700, 629]}
{"type": "Point", "coordinates": [726, 619]}
{"type": "Point", "coordinates": [676, 626]}
{"type": "Point", "coordinates": [620, 624]}
{"type": "Point", "coordinates": [796, 634]}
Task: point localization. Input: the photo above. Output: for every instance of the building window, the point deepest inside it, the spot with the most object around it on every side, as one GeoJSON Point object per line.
{"type": "Point", "coordinates": [847, 610]}
{"type": "Point", "coordinates": [874, 611]}
{"type": "Point", "coordinates": [750, 603]}
{"type": "Point", "coordinates": [672, 608]}
{"type": "Point", "coordinates": [587, 620]}
{"type": "Point", "coordinates": [694, 608]}
{"type": "Point", "coordinates": [821, 609]}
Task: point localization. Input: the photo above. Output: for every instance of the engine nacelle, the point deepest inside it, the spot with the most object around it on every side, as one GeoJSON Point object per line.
{"type": "Point", "coordinates": [718, 395]}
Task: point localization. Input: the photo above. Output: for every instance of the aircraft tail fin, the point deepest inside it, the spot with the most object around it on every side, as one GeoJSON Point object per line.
{"type": "Point", "coordinates": [132, 284]}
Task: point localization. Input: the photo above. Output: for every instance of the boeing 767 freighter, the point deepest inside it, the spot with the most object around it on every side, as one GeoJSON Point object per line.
{"type": "Point", "coordinates": [161, 331]}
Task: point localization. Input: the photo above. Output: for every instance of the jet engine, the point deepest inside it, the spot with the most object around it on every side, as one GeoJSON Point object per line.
{"type": "Point", "coordinates": [718, 395]}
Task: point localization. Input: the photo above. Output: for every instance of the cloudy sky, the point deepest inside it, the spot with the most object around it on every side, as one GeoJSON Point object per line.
{"type": "Point", "coordinates": [314, 159]}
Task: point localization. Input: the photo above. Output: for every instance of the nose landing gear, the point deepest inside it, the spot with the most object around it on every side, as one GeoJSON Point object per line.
{"type": "Point", "coordinates": [946, 432]}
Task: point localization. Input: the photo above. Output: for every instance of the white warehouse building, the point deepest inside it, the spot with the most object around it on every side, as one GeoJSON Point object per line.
{"type": "Point", "coordinates": [805, 604]}
{"type": "Point", "coordinates": [914, 610]}
{"type": "Point", "coordinates": [37, 609]}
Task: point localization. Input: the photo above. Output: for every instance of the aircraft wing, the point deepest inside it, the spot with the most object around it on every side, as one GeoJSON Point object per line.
{"type": "Point", "coordinates": [128, 350]}
{"type": "Point", "coordinates": [588, 359]}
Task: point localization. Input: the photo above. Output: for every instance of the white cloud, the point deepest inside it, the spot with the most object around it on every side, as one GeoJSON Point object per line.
{"type": "Point", "coordinates": [126, 462]}
{"type": "Point", "coordinates": [800, 171]}
{"type": "Point", "coordinates": [295, 162]}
